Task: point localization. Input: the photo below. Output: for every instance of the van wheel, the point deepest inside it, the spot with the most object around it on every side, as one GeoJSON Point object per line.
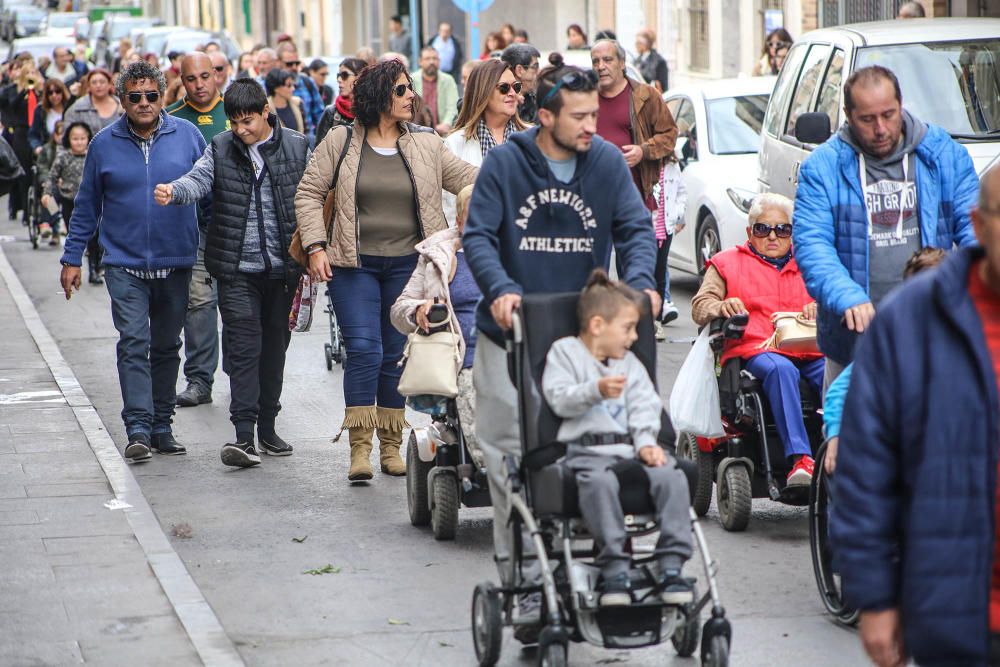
{"type": "Point", "coordinates": [708, 241]}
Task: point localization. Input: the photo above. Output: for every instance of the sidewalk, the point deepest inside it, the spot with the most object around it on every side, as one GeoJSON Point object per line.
{"type": "Point", "coordinates": [89, 575]}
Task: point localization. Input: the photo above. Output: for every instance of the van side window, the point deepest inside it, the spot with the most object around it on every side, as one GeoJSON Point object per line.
{"type": "Point", "coordinates": [812, 72]}
{"type": "Point", "coordinates": [829, 94]}
{"type": "Point", "coordinates": [774, 121]}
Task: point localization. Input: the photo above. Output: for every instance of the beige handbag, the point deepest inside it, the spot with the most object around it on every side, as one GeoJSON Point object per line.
{"type": "Point", "coordinates": [792, 333]}
{"type": "Point", "coordinates": [432, 363]}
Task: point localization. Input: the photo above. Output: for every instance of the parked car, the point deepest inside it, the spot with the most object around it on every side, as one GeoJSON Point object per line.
{"type": "Point", "coordinates": [151, 39]}
{"type": "Point", "coordinates": [27, 21]}
{"type": "Point", "coordinates": [187, 40]}
{"type": "Point", "coordinates": [7, 17]}
{"type": "Point", "coordinates": [61, 24]}
{"type": "Point", "coordinates": [718, 125]}
{"type": "Point", "coordinates": [115, 27]}
{"type": "Point", "coordinates": [38, 46]}
{"type": "Point", "coordinates": [948, 71]}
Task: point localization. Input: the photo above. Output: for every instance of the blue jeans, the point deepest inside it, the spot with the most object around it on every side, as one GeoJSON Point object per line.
{"type": "Point", "coordinates": [201, 328]}
{"type": "Point", "coordinates": [148, 315]}
{"type": "Point", "coordinates": [362, 298]}
{"type": "Point", "coordinates": [780, 377]}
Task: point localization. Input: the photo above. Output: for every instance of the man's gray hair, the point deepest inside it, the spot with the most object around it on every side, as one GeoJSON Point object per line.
{"type": "Point", "coordinates": [519, 54]}
{"type": "Point", "coordinates": [268, 52]}
{"type": "Point", "coordinates": [768, 200]}
{"type": "Point", "coordinates": [622, 56]}
{"type": "Point", "coordinates": [138, 71]}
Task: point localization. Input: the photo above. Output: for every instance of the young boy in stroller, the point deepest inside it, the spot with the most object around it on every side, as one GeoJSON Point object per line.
{"type": "Point", "coordinates": [611, 414]}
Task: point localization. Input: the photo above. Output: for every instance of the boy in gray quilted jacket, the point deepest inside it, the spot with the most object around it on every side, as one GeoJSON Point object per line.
{"type": "Point", "coordinates": [611, 413]}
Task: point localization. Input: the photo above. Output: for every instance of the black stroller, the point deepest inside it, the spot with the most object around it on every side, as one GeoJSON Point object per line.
{"type": "Point", "coordinates": [544, 500]}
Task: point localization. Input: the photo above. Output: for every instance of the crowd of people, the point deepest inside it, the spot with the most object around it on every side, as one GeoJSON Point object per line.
{"type": "Point", "coordinates": [194, 192]}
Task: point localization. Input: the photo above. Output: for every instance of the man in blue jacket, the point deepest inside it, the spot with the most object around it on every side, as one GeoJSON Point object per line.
{"type": "Point", "coordinates": [913, 528]}
{"type": "Point", "coordinates": [148, 250]}
{"type": "Point", "coordinates": [547, 208]}
{"type": "Point", "coordinates": [885, 186]}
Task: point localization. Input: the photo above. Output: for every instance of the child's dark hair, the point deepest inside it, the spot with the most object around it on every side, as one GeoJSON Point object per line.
{"type": "Point", "coordinates": [923, 259]}
{"type": "Point", "coordinates": [73, 126]}
{"type": "Point", "coordinates": [603, 297]}
{"type": "Point", "coordinates": [244, 97]}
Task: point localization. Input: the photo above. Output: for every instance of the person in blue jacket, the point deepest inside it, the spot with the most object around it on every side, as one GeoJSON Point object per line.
{"type": "Point", "coordinates": [913, 530]}
{"type": "Point", "coordinates": [883, 187]}
{"type": "Point", "coordinates": [148, 250]}
{"type": "Point", "coordinates": [547, 209]}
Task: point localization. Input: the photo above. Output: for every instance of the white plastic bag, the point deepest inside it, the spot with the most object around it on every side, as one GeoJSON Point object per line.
{"type": "Point", "coordinates": [694, 400]}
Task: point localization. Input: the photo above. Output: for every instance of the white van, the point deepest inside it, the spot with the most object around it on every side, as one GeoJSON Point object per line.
{"type": "Point", "coordinates": [948, 71]}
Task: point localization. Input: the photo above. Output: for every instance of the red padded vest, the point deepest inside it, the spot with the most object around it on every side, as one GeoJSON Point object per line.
{"type": "Point", "coordinates": [764, 291]}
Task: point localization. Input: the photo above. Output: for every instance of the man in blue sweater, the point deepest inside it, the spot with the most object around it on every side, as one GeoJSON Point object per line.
{"type": "Point", "coordinates": [148, 250]}
{"type": "Point", "coordinates": [547, 208]}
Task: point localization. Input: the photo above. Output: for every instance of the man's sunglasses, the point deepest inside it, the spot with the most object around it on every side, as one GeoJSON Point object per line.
{"type": "Point", "coordinates": [762, 230]}
{"type": "Point", "coordinates": [575, 80]}
{"type": "Point", "coordinates": [344, 75]}
{"type": "Point", "coordinates": [401, 89]}
{"type": "Point", "coordinates": [220, 68]}
{"type": "Point", "coordinates": [505, 87]}
{"type": "Point", "coordinates": [293, 63]}
{"type": "Point", "coordinates": [151, 97]}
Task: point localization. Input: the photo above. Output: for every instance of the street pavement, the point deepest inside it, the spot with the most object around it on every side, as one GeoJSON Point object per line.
{"type": "Point", "coordinates": [392, 594]}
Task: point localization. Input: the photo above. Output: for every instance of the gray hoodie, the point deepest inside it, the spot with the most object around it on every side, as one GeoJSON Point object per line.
{"type": "Point", "coordinates": [569, 384]}
{"type": "Point", "coordinates": [887, 186]}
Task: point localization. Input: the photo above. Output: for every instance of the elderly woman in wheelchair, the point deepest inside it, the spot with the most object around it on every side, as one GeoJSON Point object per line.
{"type": "Point", "coordinates": [759, 279]}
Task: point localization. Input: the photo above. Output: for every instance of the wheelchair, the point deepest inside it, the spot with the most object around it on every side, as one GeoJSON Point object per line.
{"type": "Point", "coordinates": [35, 214]}
{"type": "Point", "coordinates": [749, 460]}
{"type": "Point", "coordinates": [442, 475]}
{"type": "Point", "coordinates": [544, 499]}
{"type": "Point", "coordinates": [821, 498]}
{"type": "Point", "coordinates": [334, 351]}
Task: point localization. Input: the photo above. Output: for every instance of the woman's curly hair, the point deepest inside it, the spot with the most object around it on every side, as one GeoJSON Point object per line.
{"type": "Point", "coordinates": [373, 90]}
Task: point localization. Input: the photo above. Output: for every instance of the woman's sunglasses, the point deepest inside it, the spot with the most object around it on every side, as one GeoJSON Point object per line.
{"type": "Point", "coordinates": [136, 98]}
{"type": "Point", "coordinates": [401, 89]}
{"type": "Point", "coordinates": [53, 91]}
{"type": "Point", "coordinates": [344, 75]}
{"type": "Point", "coordinates": [505, 87]}
{"type": "Point", "coordinates": [762, 230]}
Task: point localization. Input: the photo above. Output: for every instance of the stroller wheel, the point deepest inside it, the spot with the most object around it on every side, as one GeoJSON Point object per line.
{"type": "Point", "coordinates": [553, 655]}
{"type": "Point", "coordinates": [444, 508]}
{"type": "Point", "coordinates": [734, 497]}
{"type": "Point", "coordinates": [820, 499]}
{"type": "Point", "coordinates": [688, 634]}
{"type": "Point", "coordinates": [687, 448]}
{"type": "Point", "coordinates": [718, 652]}
{"type": "Point", "coordinates": [487, 624]}
{"type": "Point", "coordinates": [416, 484]}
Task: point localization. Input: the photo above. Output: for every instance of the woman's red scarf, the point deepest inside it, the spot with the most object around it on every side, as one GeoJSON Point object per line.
{"type": "Point", "coordinates": [344, 107]}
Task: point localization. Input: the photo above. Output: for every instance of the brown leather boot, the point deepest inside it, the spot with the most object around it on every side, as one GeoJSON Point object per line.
{"type": "Point", "coordinates": [391, 422]}
{"type": "Point", "coordinates": [359, 422]}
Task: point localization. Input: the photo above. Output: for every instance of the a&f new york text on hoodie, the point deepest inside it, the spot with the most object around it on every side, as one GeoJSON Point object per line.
{"type": "Point", "coordinates": [528, 232]}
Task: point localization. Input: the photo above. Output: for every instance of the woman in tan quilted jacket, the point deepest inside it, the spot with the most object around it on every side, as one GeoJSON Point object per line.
{"type": "Point", "coordinates": [384, 177]}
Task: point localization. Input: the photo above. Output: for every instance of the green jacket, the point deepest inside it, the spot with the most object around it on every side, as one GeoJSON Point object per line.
{"type": "Point", "coordinates": [447, 95]}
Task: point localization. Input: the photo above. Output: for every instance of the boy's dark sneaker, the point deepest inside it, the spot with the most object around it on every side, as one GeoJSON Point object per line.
{"type": "Point", "coordinates": [241, 454]}
{"type": "Point", "coordinates": [272, 445]}
{"type": "Point", "coordinates": [137, 449]}
{"type": "Point", "coordinates": [164, 443]}
{"type": "Point", "coordinates": [616, 591]}
{"type": "Point", "coordinates": [675, 588]}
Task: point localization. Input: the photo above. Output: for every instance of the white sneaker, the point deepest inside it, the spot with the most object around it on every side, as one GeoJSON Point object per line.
{"type": "Point", "coordinates": [669, 313]}
{"type": "Point", "coordinates": [659, 332]}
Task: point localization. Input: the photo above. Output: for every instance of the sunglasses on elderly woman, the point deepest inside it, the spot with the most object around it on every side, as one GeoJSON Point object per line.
{"type": "Point", "coordinates": [762, 230]}
{"type": "Point", "coordinates": [505, 87]}
{"type": "Point", "coordinates": [151, 96]}
{"type": "Point", "coordinates": [401, 89]}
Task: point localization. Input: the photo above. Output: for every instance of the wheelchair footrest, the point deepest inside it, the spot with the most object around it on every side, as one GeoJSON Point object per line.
{"type": "Point", "coordinates": [795, 495]}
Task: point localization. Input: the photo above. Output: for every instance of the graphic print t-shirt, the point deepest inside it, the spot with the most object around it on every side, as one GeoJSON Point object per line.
{"type": "Point", "coordinates": [888, 250]}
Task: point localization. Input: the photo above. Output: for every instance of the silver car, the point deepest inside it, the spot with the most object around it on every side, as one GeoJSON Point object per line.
{"type": "Point", "coordinates": [949, 75]}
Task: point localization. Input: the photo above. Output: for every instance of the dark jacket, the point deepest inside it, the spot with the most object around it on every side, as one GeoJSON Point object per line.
{"type": "Point", "coordinates": [653, 69]}
{"type": "Point", "coordinates": [331, 118]}
{"type": "Point", "coordinates": [227, 172]}
{"type": "Point", "coordinates": [117, 192]}
{"type": "Point", "coordinates": [529, 233]}
{"type": "Point", "coordinates": [913, 525]}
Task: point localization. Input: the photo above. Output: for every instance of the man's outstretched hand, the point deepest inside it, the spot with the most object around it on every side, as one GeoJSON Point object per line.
{"type": "Point", "coordinates": [70, 280]}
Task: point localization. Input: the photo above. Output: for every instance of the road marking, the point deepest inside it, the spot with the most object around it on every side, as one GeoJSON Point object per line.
{"type": "Point", "coordinates": [199, 620]}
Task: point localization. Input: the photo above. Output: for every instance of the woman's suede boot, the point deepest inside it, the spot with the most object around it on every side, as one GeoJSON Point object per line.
{"type": "Point", "coordinates": [359, 422]}
{"type": "Point", "coordinates": [391, 422]}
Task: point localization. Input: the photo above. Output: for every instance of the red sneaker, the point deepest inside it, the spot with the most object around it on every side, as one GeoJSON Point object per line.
{"type": "Point", "coordinates": [802, 472]}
